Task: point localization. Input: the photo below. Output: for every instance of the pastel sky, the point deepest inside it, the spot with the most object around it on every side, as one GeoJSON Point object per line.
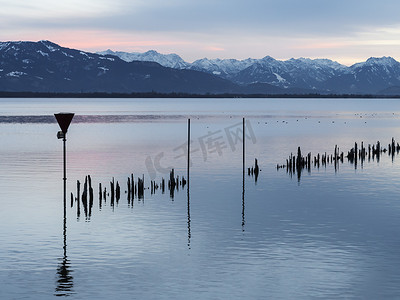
{"type": "Point", "coordinates": [347, 31]}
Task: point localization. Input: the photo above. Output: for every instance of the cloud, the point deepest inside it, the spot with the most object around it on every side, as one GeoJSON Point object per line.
{"type": "Point", "coordinates": [290, 17]}
{"type": "Point", "coordinates": [293, 17]}
{"type": "Point", "coordinates": [48, 9]}
{"type": "Point", "coordinates": [237, 29]}
{"type": "Point", "coordinates": [213, 48]}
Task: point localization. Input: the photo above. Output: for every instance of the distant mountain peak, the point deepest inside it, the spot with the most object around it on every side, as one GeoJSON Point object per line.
{"type": "Point", "coordinates": [268, 58]}
{"type": "Point", "coordinates": [107, 52]}
{"type": "Point", "coordinates": [385, 60]}
{"type": "Point", "coordinates": [166, 60]}
{"type": "Point", "coordinates": [153, 52]}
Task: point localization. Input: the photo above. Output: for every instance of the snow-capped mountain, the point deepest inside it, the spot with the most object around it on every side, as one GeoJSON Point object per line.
{"type": "Point", "coordinates": [225, 68]}
{"type": "Point", "coordinates": [372, 76]}
{"type": "Point", "coordinates": [47, 67]}
{"type": "Point", "coordinates": [166, 60]}
{"type": "Point", "coordinates": [221, 67]}
{"type": "Point", "coordinates": [320, 75]}
{"type": "Point", "coordinates": [376, 72]}
{"type": "Point", "coordinates": [301, 73]}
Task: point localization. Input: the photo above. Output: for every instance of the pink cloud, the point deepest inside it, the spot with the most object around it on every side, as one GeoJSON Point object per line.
{"type": "Point", "coordinates": [212, 48]}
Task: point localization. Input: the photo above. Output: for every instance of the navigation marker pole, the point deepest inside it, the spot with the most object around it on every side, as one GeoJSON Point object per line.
{"type": "Point", "coordinates": [63, 120]}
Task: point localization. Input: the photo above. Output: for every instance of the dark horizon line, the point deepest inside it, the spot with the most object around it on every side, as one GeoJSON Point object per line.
{"type": "Point", "coordinates": [182, 95]}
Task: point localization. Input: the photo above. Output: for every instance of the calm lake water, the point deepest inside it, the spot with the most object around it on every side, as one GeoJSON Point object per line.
{"type": "Point", "coordinates": [332, 234]}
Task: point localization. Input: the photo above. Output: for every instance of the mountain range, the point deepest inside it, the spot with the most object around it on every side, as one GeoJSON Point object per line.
{"type": "Point", "coordinates": [47, 67]}
{"type": "Point", "coordinates": [374, 76]}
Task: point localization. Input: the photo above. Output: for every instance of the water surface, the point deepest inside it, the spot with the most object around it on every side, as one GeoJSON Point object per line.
{"type": "Point", "coordinates": [333, 234]}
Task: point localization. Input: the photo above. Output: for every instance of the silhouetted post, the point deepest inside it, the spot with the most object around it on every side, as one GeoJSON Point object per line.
{"type": "Point", "coordinates": [188, 192]}
{"type": "Point", "coordinates": [244, 135]}
{"type": "Point", "coordinates": [100, 195]}
{"type": "Point", "coordinates": [188, 160]}
{"type": "Point", "coordinates": [244, 169]}
{"type": "Point", "coordinates": [78, 191]}
{"type": "Point", "coordinates": [132, 187]}
{"type": "Point", "coordinates": [117, 192]}
{"type": "Point", "coordinates": [84, 197]}
{"type": "Point", "coordinates": [112, 191]}
{"type": "Point", "coordinates": [243, 189]}
{"type": "Point", "coordinates": [65, 164]}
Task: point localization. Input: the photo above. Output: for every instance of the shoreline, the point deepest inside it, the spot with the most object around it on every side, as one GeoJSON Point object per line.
{"type": "Point", "coordinates": [187, 95]}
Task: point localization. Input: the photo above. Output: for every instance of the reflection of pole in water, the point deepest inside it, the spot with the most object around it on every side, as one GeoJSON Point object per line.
{"type": "Point", "coordinates": [243, 189]}
{"type": "Point", "coordinates": [65, 228]}
{"type": "Point", "coordinates": [244, 168]}
{"type": "Point", "coordinates": [188, 185]}
{"type": "Point", "coordinates": [188, 215]}
{"type": "Point", "coordinates": [65, 280]}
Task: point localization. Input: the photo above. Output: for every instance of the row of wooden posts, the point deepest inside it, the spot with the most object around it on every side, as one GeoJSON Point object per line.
{"type": "Point", "coordinates": [296, 164]}
{"type": "Point", "coordinates": [135, 189]}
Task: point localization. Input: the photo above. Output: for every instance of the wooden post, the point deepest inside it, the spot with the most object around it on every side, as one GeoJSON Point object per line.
{"type": "Point", "coordinates": [129, 190]}
{"type": "Point", "coordinates": [112, 189]}
{"type": "Point", "coordinates": [132, 187]}
{"type": "Point", "coordinates": [90, 196]}
{"type": "Point", "coordinates": [117, 191]}
{"type": "Point", "coordinates": [78, 190]}
{"type": "Point", "coordinates": [78, 197]}
{"type": "Point", "coordinates": [112, 192]}
{"type": "Point", "coordinates": [84, 198]}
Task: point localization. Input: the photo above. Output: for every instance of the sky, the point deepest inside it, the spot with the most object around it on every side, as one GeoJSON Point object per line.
{"type": "Point", "coordinates": [347, 31]}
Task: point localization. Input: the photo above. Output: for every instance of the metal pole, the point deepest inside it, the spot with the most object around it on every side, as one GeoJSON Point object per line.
{"type": "Point", "coordinates": [244, 136]}
{"type": "Point", "coordinates": [188, 185]}
{"type": "Point", "coordinates": [65, 196]}
{"type": "Point", "coordinates": [243, 181]}
{"type": "Point", "coordinates": [65, 168]}
{"type": "Point", "coordinates": [188, 160]}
